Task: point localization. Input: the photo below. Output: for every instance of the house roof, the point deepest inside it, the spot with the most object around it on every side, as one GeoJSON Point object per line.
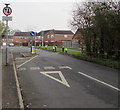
{"type": "Point", "coordinates": [63, 32]}
{"type": "Point", "coordinates": [55, 32]}
{"type": "Point", "coordinates": [42, 32]}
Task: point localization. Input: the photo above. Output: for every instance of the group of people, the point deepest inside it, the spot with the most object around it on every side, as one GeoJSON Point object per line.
{"type": "Point", "coordinates": [63, 49]}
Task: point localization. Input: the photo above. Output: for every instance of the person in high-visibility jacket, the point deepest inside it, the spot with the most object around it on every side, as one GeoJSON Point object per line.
{"type": "Point", "coordinates": [53, 48]}
{"type": "Point", "coordinates": [65, 50]}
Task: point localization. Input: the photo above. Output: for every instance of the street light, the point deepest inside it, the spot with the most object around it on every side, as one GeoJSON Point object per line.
{"type": "Point", "coordinates": [42, 38]}
{"type": "Point", "coordinates": [42, 41]}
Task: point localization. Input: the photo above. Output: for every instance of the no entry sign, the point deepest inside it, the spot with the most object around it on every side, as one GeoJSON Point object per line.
{"type": "Point", "coordinates": [7, 11]}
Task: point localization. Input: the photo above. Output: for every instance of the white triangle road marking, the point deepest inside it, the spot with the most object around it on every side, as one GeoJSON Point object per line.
{"type": "Point", "coordinates": [62, 81]}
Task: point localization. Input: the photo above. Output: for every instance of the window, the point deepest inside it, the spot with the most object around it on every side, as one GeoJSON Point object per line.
{"type": "Point", "coordinates": [39, 37]}
{"type": "Point", "coordinates": [48, 36]}
{"type": "Point", "coordinates": [65, 36]}
{"type": "Point", "coordinates": [52, 36]}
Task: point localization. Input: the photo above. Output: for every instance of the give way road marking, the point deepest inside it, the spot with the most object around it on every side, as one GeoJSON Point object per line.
{"type": "Point", "coordinates": [62, 81]}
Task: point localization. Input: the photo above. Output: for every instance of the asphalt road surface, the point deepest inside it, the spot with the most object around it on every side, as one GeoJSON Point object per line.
{"type": "Point", "coordinates": [53, 80]}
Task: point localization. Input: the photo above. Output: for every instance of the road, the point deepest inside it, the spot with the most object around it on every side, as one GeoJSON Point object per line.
{"type": "Point", "coordinates": [53, 80]}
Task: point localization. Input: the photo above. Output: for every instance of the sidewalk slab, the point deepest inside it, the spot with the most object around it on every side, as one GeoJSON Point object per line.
{"type": "Point", "coordinates": [0, 79]}
{"type": "Point", "coordinates": [9, 90]}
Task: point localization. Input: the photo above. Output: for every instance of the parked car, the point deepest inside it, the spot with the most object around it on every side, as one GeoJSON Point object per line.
{"type": "Point", "coordinates": [11, 45]}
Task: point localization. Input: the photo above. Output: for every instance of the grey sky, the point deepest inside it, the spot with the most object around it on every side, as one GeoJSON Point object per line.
{"type": "Point", "coordinates": [39, 15]}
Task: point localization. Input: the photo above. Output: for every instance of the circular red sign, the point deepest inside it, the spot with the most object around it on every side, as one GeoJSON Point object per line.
{"type": "Point", "coordinates": [7, 11]}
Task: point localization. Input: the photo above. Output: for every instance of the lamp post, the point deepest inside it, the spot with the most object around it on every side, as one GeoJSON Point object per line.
{"type": "Point", "coordinates": [42, 41]}
{"type": "Point", "coordinates": [35, 39]}
{"type": "Point", "coordinates": [42, 38]}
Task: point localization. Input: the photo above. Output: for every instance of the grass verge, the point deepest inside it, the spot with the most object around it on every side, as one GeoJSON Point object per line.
{"type": "Point", "coordinates": [79, 55]}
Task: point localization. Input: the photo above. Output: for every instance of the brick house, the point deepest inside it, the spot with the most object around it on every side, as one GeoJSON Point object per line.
{"type": "Point", "coordinates": [21, 38]}
{"type": "Point", "coordinates": [24, 39]}
{"type": "Point", "coordinates": [10, 39]}
{"type": "Point", "coordinates": [78, 40]}
{"type": "Point", "coordinates": [47, 37]}
{"type": "Point", "coordinates": [57, 37]}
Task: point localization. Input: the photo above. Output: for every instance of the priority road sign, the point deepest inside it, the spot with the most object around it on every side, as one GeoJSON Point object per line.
{"type": "Point", "coordinates": [7, 11]}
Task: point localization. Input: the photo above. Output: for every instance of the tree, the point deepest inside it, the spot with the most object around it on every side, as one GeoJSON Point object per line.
{"type": "Point", "coordinates": [101, 27]}
{"type": "Point", "coordinates": [2, 27]}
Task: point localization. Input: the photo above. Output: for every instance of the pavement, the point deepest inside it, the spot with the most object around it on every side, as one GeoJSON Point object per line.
{"type": "Point", "coordinates": [9, 91]}
{"type": "Point", "coordinates": [0, 78]}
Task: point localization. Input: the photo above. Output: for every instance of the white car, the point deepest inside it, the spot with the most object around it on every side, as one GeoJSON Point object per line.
{"type": "Point", "coordinates": [11, 45]}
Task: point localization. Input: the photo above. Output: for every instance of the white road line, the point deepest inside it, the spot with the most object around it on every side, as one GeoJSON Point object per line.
{"type": "Point", "coordinates": [26, 61]}
{"type": "Point", "coordinates": [22, 69]}
{"type": "Point", "coordinates": [34, 68]}
{"type": "Point", "coordinates": [99, 81]}
{"type": "Point", "coordinates": [18, 86]}
{"type": "Point", "coordinates": [19, 58]}
{"type": "Point", "coordinates": [49, 67]}
{"type": "Point", "coordinates": [64, 67]}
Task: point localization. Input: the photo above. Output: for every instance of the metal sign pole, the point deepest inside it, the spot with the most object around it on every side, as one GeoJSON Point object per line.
{"type": "Point", "coordinates": [35, 38]}
{"type": "Point", "coordinates": [7, 11]}
{"type": "Point", "coordinates": [6, 41]}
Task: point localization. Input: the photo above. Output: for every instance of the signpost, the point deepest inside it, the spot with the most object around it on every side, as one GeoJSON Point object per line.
{"type": "Point", "coordinates": [7, 11]}
{"type": "Point", "coordinates": [7, 18]}
{"type": "Point", "coordinates": [33, 47]}
{"type": "Point", "coordinates": [32, 34]}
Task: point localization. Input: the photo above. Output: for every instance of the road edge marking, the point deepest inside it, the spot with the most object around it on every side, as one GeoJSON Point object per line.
{"type": "Point", "coordinates": [99, 81]}
{"type": "Point", "coordinates": [18, 86]}
{"type": "Point", "coordinates": [26, 61]}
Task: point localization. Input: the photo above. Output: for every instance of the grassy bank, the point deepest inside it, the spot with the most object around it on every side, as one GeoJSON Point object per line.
{"type": "Point", "coordinates": [79, 55]}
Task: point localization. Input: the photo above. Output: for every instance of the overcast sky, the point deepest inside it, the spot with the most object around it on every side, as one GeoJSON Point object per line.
{"type": "Point", "coordinates": [40, 15]}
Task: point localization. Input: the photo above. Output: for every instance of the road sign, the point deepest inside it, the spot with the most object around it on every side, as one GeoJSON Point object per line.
{"type": "Point", "coordinates": [7, 11]}
{"type": "Point", "coordinates": [7, 18]}
{"type": "Point", "coordinates": [32, 33]}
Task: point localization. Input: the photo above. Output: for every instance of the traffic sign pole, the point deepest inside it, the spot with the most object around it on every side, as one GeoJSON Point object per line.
{"type": "Point", "coordinates": [33, 34]}
{"type": "Point", "coordinates": [6, 42]}
{"type": "Point", "coordinates": [7, 11]}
